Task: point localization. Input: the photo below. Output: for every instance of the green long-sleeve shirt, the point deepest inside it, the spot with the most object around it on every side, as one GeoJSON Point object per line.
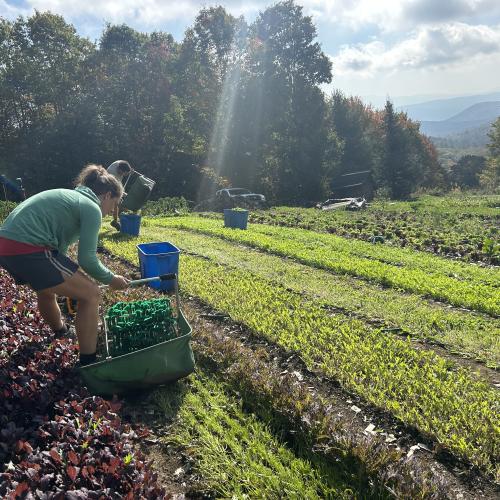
{"type": "Point", "coordinates": [57, 218]}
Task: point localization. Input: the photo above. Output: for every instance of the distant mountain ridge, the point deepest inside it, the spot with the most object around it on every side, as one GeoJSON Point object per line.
{"type": "Point", "coordinates": [478, 115]}
{"type": "Point", "coordinates": [442, 109]}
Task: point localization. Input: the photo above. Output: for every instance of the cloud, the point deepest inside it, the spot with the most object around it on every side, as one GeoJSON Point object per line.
{"type": "Point", "coordinates": [429, 47]}
{"type": "Point", "coordinates": [444, 10]}
{"type": "Point", "coordinates": [431, 11]}
{"type": "Point", "coordinates": [392, 16]}
{"type": "Point", "coordinates": [10, 11]}
{"type": "Point", "coordinates": [147, 13]}
{"type": "Point", "coordinates": [384, 15]}
{"type": "Point", "coordinates": [357, 59]}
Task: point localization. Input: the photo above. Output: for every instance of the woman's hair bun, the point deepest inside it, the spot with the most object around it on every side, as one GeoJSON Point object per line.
{"type": "Point", "coordinates": [97, 178]}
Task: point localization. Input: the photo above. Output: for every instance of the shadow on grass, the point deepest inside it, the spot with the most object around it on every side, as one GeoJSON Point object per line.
{"type": "Point", "coordinates": [112, 235]}
{"type": "Point", "coordinates": [156, 408]}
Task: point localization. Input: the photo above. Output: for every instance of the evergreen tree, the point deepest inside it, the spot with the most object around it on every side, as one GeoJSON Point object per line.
{"type": "Point", "coordinates": [401, 169]}
{"type": "Point", "coordinates": [465, 173]}
{"type": "Point", "coordinates": [357, 127]}
{"type": "Point", "coordinates": [490, 177]}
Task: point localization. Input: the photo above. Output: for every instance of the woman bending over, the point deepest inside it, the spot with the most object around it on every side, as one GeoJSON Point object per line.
{"type": "Point", "coordinates": [34, 242]}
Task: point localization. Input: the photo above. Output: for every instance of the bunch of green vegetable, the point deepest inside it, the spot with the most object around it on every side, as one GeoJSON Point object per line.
{"type": "Point", "coordinates": [139, 324]}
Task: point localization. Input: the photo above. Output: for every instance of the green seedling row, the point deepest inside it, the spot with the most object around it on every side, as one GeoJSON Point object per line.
{"type": "Point", "coordinates": [466, 204]}
{"type": "Point", "coordinates": [442, 400]}
{"type": "Point", "coordinates": [313, 241]}
{"type": "Point", "coordinates": [236, 455]}
{"type": "Point", "coordinates": [420, 225]}
{"type": "Point", "coordinates": [457, 283]}
{"type": "Point", "coordinates": [469, 334]}
{"type": "Point", "coordinates": [399, 257]}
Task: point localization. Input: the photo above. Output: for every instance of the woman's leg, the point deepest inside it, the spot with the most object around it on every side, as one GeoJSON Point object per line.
{"type": "Point", "coordinates": [49, 309]}
{"type": "Point", "coordinates": [87, 293]}
{"type": "Point", "coordinates": [114, 222]}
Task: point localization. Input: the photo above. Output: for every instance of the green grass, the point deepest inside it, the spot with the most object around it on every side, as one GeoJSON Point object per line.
{"type": "Point", "coordinates": [236, 454]}
{"type": "Point", "coordinates": [417, 272]}
{"type": "Point", "coordinates": [448, 403]}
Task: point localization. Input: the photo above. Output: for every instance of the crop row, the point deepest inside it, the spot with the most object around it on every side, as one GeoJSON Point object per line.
{"type": "Point", "coordinates": [460, 204]}
{"type": "Point", "coordinates": [467, 333]}
{"type": "Point", "coordinates": [283, 403]}
{"type": "Point", "coordinates": [420, 388]}
{"type": "Point", "coordinates": [74, 444]}
{"type": "Point", "coordinates": [236, 454]}
{"type": "Point", "coordinates": [459, 284]}
{"type": "Point", "coordinates": [55, 440]}
{"type": "Point", "coordinates": [230, 450]}
{"type": "Point", "coordinates": [312, 241]}
{"type": "Point", "coordinates": [292, 404]}
{"type": "Point", "coordinates": [295, 406]}
{"type": "Point", "coordinates": [457, 235]}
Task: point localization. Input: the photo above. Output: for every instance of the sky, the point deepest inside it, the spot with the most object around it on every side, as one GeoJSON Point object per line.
{"type": "Point", "coordinates": [408, 50]}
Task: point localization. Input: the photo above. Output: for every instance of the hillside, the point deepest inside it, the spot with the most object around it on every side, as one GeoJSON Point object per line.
{"type": "Point", "coordinates": [475, 116]}
{"type": "Point", "coordinates": [442, 109]}
{"type": "Point", "coordinates": [470, 138]}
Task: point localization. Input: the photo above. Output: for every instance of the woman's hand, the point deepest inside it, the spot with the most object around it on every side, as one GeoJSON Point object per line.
{"type": "Point", "coordinates": [119, 282]}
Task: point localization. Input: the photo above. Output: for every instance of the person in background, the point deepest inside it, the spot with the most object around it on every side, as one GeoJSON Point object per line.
{"type": "Point", "coordinates": [119, 169]}
{"type": "Point", "coordinates": [34, 241]}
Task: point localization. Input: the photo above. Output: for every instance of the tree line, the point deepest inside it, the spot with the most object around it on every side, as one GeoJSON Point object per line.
{"type": "Point", "coordinates": [231, 104]}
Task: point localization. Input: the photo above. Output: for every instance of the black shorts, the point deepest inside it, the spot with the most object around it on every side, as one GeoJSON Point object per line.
{"type": "Point", "coordinates": [40, 270]}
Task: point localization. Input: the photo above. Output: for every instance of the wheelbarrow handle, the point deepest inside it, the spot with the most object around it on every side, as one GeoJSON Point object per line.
{"type": "Point", "coordinates": [162, 277]}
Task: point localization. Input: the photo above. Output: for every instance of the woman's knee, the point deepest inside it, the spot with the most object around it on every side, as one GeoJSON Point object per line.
{"type": "Point", "coordinates": [45, 296]}
{"type": "Point", "coordinates": [83, 289]}
{"type": "Point", "coordinates": [92, 294]}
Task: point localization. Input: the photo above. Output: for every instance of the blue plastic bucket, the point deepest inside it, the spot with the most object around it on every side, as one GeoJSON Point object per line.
{"type": "Point", "coordinates": [130, 224]}
{"type": "Point", "coordinates": [235, 218]}
{"type": "Point", "coordinates": [156, 259]}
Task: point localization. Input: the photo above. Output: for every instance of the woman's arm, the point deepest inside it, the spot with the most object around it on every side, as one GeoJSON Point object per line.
{"type": "Point", "coordinates": [90, 224]}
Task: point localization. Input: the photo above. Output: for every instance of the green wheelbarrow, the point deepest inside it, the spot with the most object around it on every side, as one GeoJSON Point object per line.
{"type": "Point", "coordinates": [145, 367]}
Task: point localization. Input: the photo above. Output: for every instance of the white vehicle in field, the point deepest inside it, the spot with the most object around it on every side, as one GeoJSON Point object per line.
{"type": "Point", "coordinates": [238, 196]}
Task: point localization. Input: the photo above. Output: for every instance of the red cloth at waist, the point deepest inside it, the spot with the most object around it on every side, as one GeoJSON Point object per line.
{"type": "Point", "coordinates": [12, 247]}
